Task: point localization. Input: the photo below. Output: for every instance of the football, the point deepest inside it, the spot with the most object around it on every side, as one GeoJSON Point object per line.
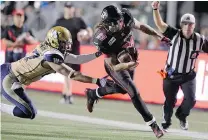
{"type": "Point", "coordinates": [124, 57]}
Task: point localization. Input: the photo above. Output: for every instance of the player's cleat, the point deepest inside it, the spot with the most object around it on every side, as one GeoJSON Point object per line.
{"type": "Point", "coordinates": [183, 122]}
{"type": "Point", "coordinates": [156, 129]}
{"type": "Point", "coordinates": [165, 126]}
{"type": "Point", "coordinates": [62, 101]}
{"type": "Point", "coordinates": [90, 100]}
{"type": "Point", "coordinates": [68, 100]}
{"type": "Point", "coordinates": [184, 125]}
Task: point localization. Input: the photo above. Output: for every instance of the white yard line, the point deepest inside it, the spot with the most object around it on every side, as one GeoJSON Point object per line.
{"type": "Point", "coordinates": [119, 124]}
{"type": "Point", "coordinates": [130, 113]}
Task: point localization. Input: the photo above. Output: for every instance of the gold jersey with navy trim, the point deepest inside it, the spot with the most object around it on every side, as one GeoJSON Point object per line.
{"type": "Point", "coordinates": [32, 67]}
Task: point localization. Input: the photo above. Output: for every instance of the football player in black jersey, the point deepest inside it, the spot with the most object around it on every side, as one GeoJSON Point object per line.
{"type": "Point", "coordinates": [112, 36]}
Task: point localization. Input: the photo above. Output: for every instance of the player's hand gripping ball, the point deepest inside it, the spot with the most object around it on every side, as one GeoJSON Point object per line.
{"type": "Point", "coordinates": [128, 55]}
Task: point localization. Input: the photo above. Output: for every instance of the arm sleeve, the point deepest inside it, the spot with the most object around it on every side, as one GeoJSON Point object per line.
{"type": "Point", "coordinates": [170, 32]}
{"type": "Point", "coordinates": [54, 57]}
{"type": "Point", "coordinates": [79, 59]}
{"type": "Point", "coordinates": [205, 45]}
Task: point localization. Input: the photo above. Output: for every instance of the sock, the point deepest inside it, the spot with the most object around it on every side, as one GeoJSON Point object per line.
{"type": "Point", "coordinates": [7, 109]}
{"type": "Point", "coordinates": [97, 92]}
{"type": "Point", "coordinates": [68, 97]}
{"type": "Point", "coordinates": [110, 89]}
{"type": "Point", "coordinates": [151, 122]}
{"type": "Point", "coordinates": [101, 92]}
{"type": "Point", "coordinates": [93, 94]}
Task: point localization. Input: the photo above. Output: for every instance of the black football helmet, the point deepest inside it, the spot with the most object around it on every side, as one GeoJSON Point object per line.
{"type": "Point", "coordinates": [113, 18]}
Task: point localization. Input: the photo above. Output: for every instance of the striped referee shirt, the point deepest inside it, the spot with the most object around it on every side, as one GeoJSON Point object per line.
{"type": "Point", "coordinates": [183, 53]}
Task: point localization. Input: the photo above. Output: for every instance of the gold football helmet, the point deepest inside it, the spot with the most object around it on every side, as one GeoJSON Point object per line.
{"type": "Point", "coordinates": [59, 38]}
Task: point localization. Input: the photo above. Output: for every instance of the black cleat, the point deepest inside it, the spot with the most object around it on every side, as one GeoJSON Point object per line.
{"type": "Point", "coordinates": [90, 99]}
{"type": "Point", "coordinates": [156, 129]}
{"type": "Point", "coordinates": [183, 122]}
{"type": "Point", "coordinates": [165, 125]}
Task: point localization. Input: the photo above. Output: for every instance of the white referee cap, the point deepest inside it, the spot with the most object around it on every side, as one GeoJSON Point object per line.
{"type": "Point", "coordinates": [188, 18]}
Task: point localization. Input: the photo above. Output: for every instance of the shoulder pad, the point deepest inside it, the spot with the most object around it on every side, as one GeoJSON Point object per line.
{"type": "Point", "coordinates": [99, 37]}
{"type": "Point", "coordinates": [128, 18]}
{"type": "Point", "coordinates": [53, 56]}
{"type": "Point", "coordinates": [100, 34]}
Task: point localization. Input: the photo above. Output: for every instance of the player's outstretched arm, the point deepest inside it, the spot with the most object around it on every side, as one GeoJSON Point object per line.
{"type": "Point", "coordinates": [161, 25]}
{"type": "Point", "coordinates": [146, 29]}
{"type": "Point", "coordinates": [150, 31]}
{"type": "Point", "coordinates": [80, 59]}
{"type": "Point", "coordinates": [72, 74]}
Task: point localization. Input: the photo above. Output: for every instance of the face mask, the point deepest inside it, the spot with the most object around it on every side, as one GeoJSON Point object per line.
{"type": "Point", "coordinates": [66, 46]}
{"type": "Point", "coordinates": [115, 26]}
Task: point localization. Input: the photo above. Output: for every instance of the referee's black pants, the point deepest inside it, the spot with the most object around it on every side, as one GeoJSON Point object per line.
{"type": "Point", "coordinates": [123, 83]}
{"type": "Point", "coordinates": [187, 83]}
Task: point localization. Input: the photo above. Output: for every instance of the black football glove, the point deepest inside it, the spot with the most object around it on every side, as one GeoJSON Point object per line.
{"type": "Point", "coordinates": [101, 82]}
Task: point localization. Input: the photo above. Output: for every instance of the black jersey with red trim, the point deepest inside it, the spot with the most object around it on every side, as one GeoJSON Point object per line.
{"type": "Point", "coordinates": [113, 43]}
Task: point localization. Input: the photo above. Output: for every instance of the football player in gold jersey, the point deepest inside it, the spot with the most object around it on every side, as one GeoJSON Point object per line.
{"type": "Point", "coordinates": [48, 57]}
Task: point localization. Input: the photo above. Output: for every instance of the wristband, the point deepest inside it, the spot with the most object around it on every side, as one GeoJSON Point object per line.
{"type": "Point", "coordinates": [94, 81]}
{"type": "Point", "coordinates": [154, 9]}
{"type": "Point", "coordinates": [97, 54]}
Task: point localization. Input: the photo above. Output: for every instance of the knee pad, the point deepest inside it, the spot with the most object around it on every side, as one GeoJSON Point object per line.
{"type": "Point", "coordinates": [29, 111]}
{"type": "Point", "coordinates": [23, 113]}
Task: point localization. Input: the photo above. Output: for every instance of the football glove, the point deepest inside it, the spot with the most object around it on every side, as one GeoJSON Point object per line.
{"type": "Point", "coordinates": [133, 52]}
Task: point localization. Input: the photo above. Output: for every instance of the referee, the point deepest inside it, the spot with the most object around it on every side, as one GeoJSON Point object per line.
{"type": "Point", "coordinates": [180, 64]}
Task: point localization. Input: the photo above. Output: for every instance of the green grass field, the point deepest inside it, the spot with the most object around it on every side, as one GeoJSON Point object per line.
{"type": "Point", "coordinates": [47, 128]}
